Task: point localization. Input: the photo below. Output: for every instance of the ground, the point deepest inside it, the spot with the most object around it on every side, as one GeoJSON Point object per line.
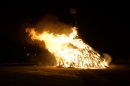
{"type": "Point", "coordinates": [116, 75]}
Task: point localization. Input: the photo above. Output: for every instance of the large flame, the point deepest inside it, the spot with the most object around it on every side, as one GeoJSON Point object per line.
{"type": "Point", "coordinates": [69, 51]}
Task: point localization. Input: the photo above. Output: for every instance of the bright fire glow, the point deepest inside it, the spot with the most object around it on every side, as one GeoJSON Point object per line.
{"type": "Point", "coordinates": [69, 51]}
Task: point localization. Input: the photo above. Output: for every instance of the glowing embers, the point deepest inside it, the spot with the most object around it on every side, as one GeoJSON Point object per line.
{"type": "Point", "coordinates": [69, 51]}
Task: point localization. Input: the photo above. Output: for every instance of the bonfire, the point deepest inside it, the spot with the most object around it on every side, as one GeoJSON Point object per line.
{"type": "Point", "coordinates": [69, 50]}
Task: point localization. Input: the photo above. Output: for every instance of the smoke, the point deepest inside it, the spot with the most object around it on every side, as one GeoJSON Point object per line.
{"type": "Point", "coordinates": [52, 24]}
{"type": "Point", "coordinates": [107, 58]}
{"type": "Point", "coordinates": [49, 23]}
{"type": "Point", "coordinates": [43, 58]}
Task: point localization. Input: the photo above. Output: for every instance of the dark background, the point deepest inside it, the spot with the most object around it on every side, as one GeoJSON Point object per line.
{"type": "Point", "coordinates": [103, 25]}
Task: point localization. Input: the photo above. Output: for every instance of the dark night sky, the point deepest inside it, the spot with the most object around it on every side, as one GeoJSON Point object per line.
{"type": "Point", "coordinates": [103, 25]}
